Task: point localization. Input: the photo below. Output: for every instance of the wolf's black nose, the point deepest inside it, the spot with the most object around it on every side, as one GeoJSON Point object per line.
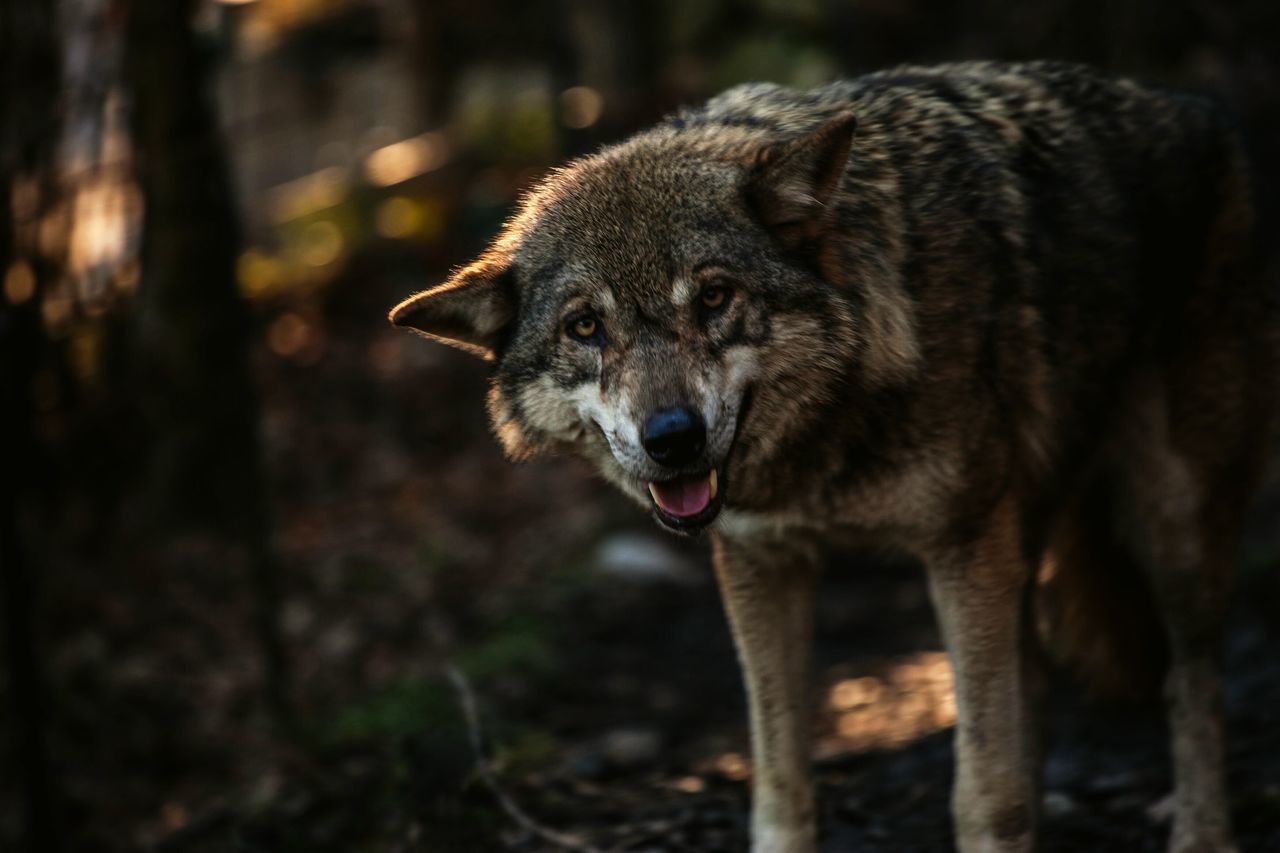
{"type": "Point", "coordinates": [674, 436]}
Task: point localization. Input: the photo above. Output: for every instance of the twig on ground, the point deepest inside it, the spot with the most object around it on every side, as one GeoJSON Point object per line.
{"type": "Point", "coordinates": [467, 700]}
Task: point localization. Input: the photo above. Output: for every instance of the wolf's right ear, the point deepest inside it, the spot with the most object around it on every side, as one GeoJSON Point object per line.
{"type": "Point", "coordinates": [791, 184]}
{"type": "Point", "coordinates": [472, 310]}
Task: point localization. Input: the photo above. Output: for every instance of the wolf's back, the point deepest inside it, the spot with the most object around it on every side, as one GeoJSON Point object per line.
{"type": "Point", "coordinates": [1116, 214]}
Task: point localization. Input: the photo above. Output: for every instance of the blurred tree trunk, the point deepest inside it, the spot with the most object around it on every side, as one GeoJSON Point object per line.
{"type": "Point", "coordinates": [618, 48]}
{"type": "Point", "coordinates": [29, 78]}
{"type": "Point", "coordinates": [192, 328]}
{"type": "Point", "coordinates": [437, 51]}
{"type": "Point", "coordinates": [21, 341]}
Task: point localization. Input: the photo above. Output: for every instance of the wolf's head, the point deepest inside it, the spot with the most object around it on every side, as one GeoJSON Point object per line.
{"type": "Point", "coordinates": [674, 308]}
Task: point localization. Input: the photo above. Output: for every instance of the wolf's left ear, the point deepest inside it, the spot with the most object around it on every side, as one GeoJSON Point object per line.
{"type": "Point", "coordinates": [791, 184]}
{"type": "Point", "coordinates": [472, 310]}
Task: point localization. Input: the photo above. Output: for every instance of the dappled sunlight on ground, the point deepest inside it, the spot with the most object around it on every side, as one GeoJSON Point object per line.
{"type": "Point", "coordinates": [904, 700]}
{"type": "Point", "coordinates": [911, 697]}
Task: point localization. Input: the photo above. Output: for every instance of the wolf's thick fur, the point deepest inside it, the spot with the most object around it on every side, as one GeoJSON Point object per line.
{"type": "Point", "coordinates": [1000, 316]}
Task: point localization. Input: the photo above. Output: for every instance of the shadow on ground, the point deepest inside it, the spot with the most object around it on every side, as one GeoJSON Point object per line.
{"type": "Point", "coordinates": [597, 650]}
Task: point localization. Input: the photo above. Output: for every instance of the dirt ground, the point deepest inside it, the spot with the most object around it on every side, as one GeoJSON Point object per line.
{"type": "Point", "coordinates": [595, 646]}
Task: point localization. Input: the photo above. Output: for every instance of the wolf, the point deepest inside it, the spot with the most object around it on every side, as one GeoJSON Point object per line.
{"type": "Point", "coordinates": [1003, 317]}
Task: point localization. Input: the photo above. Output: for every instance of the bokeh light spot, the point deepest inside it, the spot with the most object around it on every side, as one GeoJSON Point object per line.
{"type": "Point", "coordinates": [580, 107]}
{"type": "Point", "coordinates": [322, 243]}
{"type": "Point", "coordinates": [308, 194]}
{"type": "Point", "coordinates": [733, 765]}
{"type": "Point", "coordinates": [19, 283]}
{"type": "Point", "coordinates": [408, 158]}
{"type": "Point", "coordinates": [690, 784]}
{"type": "Point", "coordinates": [56, 309]}
{"type": "Point", "coordinates": [258, 274]}
{"type": "Point", "coordinates": [288, 334]}
{"type": "Point", "coordinates": [398, 217]}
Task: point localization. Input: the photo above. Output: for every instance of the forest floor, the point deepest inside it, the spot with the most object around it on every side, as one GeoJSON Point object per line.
{"type": "Point", "coordinates": [595, 646]}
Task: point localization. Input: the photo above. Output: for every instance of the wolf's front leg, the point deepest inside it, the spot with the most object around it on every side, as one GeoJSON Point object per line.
{"type": "Point", "coordinates": [978, 593]}
{"type": "Point", "coordinates": [768, 592]}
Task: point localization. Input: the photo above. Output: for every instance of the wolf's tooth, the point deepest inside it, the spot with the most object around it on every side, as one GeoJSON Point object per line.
{"type": "Point", "coordinates": [653, 493]}
{"type": "Point", "coordinates": [715, 483]}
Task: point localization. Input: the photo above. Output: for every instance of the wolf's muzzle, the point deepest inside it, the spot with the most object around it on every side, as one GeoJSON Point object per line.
{"type": "Point", "coordinates": [674, 437]}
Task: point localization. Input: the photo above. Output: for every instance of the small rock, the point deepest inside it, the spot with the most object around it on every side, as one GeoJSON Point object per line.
{"type": "Point", "coordinates": [1110, 782]}
{"type": "Point", "coordinates": [1057, 804]}
{"type": "Point", "coordinates": [641, 558]}
{"type": "Point", "coordinates": [631, 747]}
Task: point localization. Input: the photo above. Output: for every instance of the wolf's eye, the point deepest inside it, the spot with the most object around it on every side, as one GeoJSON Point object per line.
{"type": "Point", "coordinates": [584, 328]}
{"type": "Point", "coordinates": [714, 296]}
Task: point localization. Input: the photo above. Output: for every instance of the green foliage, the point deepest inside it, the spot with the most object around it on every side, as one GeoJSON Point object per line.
{"type": "Point", "coordinates": [520, 645]}
{"type": "Point", "coordinates": [528, 751]}
{"type": "Point", "coordinates": [401, 710]}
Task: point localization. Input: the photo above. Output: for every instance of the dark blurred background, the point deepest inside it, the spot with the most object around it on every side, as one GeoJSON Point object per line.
{"type": "Point", "coordinates": [244, 525]}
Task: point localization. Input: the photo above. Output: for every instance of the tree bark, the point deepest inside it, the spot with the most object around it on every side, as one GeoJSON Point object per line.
{"type": "Point", "coordinates": [29, 79]}
{"type": "Point", "coordinates": [192, 329]}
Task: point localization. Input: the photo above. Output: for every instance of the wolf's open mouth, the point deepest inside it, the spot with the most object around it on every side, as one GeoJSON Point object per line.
{"type": "Point", "coordinates": [687, 502]}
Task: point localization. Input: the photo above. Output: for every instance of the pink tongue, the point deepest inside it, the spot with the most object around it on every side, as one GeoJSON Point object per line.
{"type": "Point", "coordinates": [683, 498]}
